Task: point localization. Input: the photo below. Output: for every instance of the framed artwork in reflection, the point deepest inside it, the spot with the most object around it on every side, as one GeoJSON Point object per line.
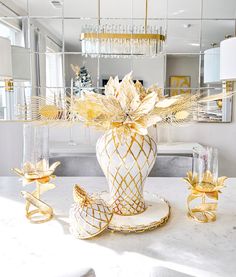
{"type": "Point", "coordinates": [179, 85]}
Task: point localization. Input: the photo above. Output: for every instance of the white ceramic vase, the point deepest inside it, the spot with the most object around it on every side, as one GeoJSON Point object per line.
{"type": "Point", "coordinates": [126, 166]}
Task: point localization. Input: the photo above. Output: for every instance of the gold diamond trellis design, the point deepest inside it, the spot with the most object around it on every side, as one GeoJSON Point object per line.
{"type": "Point", "coordinates": [126, 166]}
{"type": "Point", "coordinates": [87, 221]}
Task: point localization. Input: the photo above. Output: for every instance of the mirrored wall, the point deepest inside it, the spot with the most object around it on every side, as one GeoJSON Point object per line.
{"type": "Point", "coordinates": [49, 56]}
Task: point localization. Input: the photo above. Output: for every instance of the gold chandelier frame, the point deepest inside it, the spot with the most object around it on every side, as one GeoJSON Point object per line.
{"type": "Point", "coordinates": [130, 36]}
{"type": "Point", "coordinates": [121, 36]}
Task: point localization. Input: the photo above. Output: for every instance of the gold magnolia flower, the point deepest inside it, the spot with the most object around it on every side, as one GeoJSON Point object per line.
{"type": "Point", "coordinates": [207, 186]}
{"type": "Point", "coordinates": [39, 172]}
{"type": "Point", "coordinates": [128, 107]}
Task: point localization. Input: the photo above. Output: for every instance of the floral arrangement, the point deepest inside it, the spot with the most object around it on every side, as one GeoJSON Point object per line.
{"type": "Point", "coordinates": [128, 107]}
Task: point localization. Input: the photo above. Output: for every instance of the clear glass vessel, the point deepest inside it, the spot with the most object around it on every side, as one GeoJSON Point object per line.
{"type": "Point", "coordinates": [205, 159]}
{"type": "Point", "coordinates": [35, 144]}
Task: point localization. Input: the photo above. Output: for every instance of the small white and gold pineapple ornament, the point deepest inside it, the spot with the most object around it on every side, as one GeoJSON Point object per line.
{"type": "Point", "coordinates": [89, 216]}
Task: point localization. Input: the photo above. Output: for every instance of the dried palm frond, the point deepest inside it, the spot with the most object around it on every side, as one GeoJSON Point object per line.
{"type": "Point", "coordinates": [214, 97]}
{"type": "Point", "coordinates": [45, 110]}
{"type": "Point", "coordinates": [177, 109]}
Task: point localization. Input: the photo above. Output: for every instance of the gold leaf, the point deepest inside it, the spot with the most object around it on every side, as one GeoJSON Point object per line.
{"type": "Point", "coordinates": [112, 86]}
{"type": "Point", "coordinates": [54, 166]}
{"type": "Point", "coordinates": [41, 166]}
{"type": "Point", "coordinates": [181, 115]}
{"type": "Point", "coordinates": [140, 89]}
{"type": "Point", "coordinates": [191, 197]}
{"type": "Point", "coordinates": [221, 180]}
{"type": "Point", "coordinates": [212, 195]}
{"type": "Point", "coordinates": [139, 128]}
{"type": "Point", "coordinates": [215, 97]}
{"type": "Point", "coordinates": [152, 119]}
{"type": "Point", "coordinates": [147, 105]}
{"type": "Point", "coordinates": [28, 167]}
{"type": "Point", "coordinates": [127, 92]}
{"type": "Point", "coordinates": [18, 171]}
{"type": "Point", "coordinates": [49, 111]}
{"type": "Point", "coordinates": [166, 103]}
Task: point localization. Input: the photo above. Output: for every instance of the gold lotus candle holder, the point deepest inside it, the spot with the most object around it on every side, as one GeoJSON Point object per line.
{"type": "Point", "coordinates": [207, 188]}
{"type": "Point", "coordinates": [37, 211]}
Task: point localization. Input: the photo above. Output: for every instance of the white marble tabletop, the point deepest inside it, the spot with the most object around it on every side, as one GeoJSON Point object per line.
{"type": "Point", "coordinates": [180, 248]}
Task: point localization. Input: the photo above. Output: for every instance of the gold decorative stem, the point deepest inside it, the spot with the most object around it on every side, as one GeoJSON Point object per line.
{"type": "Point", "coordinates": [205, 212]}
{"type": "Point", "coordinates": [43, 211]}
{"type": "Point", "coordinates": [146, 15]}
{"type": "Point", "coordinates": [41, 175]}
{"type": "Point", "coordinates": [99, 12]}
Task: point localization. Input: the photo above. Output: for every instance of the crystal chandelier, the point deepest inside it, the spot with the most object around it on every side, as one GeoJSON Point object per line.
{"type": "Point", "coordinates": [107, 40]}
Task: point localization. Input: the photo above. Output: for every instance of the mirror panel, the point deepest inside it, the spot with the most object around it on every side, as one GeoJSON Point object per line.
{"type": "Point", "coordinates": [182, 74]}
{"type": "Point", "coordinates": [157, 9]}
{"type": "Point", "coordinates": [219, 9]}
{"type": "Point", "coordinates": [218, 111]}
{"type": "Point", "coordinates": [45, 8]}
{"type": "Point", "coordinates": [46, 35]}
{"type": "Point", "coordinates": [184, 9]}
{"type": "Point", "coordinates": [45, 41]}
{"type": "Point", "coordinates": [214, 31]}
{"type": "Point", "coordinates": [72, 31]}
{"type": "Point", "coordinates": [183, 36]}
{"type": "Point", "coordinates": [81, 9]}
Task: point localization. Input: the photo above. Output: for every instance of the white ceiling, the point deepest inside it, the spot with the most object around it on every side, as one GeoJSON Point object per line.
{"type": "Point", "coordinates": [180, 13]}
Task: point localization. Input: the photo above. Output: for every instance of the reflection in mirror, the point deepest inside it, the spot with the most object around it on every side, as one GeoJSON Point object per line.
{"type": "Point", "coordinates": [47, 59]}
{"type": "Point", "coordinates": [221, 109]}
{"type": "Point", "coordinates": [184, 9]}
{"type": "Point", "coordinates": [182, 74]}
{"type": "Point", "coordinates": [72, 31]}
{"type": "Point", "coordinates": [183, 36]}
{"type": "Point", "coordinates": [44, 8]}
{"type": "Point", "coordinates": [80, 73]}
{"type": "Point", "coordinates": [213, 9]}
{"type": "Point", "coordinates": [142, 70]}
{"type": "Point", "coordinates": [15, 66]}
{"type": "Point", "coordinates": [217, 111]}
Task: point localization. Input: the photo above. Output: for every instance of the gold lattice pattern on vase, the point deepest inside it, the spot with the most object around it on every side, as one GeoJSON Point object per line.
{"type": "Point", "coordinates": [126, 166]}
{"type": "Point", "coordinates": [89, 216]}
